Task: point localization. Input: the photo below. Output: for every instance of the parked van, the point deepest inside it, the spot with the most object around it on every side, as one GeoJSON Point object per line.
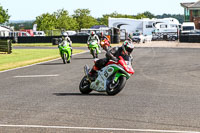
{"type": "Point", "coordinates": [71, 32]}
{"type": "Point", "coordinates": [39, 33]}
{"type": "Point", "coordinates": [29, 31]}
{"type": "Point", "coordinates": [188, 27]}
{"type": "Point", "coordinates": [18, 33]}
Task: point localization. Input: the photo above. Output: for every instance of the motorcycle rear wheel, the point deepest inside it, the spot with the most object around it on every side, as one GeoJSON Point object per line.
{"type": "Point", "coordinates": [113, 89]}
{"type": "Point", "coordinates": [84, 86]}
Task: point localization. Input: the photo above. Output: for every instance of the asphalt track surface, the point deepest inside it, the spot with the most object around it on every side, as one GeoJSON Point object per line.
{"type": "Point", "coordinates": [163, 96]}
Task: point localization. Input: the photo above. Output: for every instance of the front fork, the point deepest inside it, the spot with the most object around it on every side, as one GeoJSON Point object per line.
{"type": "Point", "coordinates": [69, 52]}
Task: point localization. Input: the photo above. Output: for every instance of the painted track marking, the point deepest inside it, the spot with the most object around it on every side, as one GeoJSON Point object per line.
{"type": "Point", "coordinates": [95, 128]}
{"type": "Point", "coordinates": [35, 76]}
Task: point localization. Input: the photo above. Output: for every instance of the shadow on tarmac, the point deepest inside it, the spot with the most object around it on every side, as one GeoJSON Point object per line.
{"type": "Point", "coordinates": [77, 58]}
{"type": "Point", "coordinates": [51, 63]}
{"type": "Point", "coordinates": [79, 94]}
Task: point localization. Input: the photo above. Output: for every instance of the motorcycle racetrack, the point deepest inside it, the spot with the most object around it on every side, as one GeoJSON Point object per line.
{"type": "Point", "coordinates": [163, 96]}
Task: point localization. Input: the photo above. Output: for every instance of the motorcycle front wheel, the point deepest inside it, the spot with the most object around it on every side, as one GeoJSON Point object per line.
{"type": "Point", "coordinates": [96, 54]}
{"type": "Point", "coordinates": [115, 88]}
{"type": "Point", "coordinates": [64, 58]}
{"type": "Point", "coordinates": [84, 86]}
{"type": "Point", "coordinates": [93, 53]}
{"type": "Point", "coordinates": [67, 58]}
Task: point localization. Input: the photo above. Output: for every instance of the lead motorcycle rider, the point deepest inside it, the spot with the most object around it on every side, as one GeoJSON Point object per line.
{"type": "Point", "coordinates": [112, 54]}
{"type": "Point", "coordinates": [93, 37]}
{"type": "Point", "coordinates": [65, 40]}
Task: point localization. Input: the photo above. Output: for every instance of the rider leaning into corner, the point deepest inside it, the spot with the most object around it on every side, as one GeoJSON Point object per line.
{"type": "Point", "coordinates": [113, 54]}
{"type": "Point", "coordinates": [93, 37]}
{"type": "Point", "coordinates": [65, 40]}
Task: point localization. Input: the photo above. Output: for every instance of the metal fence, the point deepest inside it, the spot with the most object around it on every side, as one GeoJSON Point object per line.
{"type": "Point", "coordinates": [49, 39]}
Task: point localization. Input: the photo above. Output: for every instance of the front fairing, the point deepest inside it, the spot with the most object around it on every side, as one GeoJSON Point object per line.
{"type": "Point", "coordinates": [107, 75]}
{"type": "Point", "coordinates": [93, 44]}
{"type": "Point", "coordinates": [126, 63]}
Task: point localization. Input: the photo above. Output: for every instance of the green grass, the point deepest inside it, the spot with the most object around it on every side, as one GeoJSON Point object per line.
{"type": "Point", "coordinates": [23, 57]}
{"type": "Point", "coordinates": [47, 44]}
{"type": "Point", "coordinates": [50, 44]}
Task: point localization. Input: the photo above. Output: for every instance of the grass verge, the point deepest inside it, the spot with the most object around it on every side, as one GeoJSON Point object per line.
{"type": "Point", "coordinates": [50, 45]}
{"type": "Point", "coordinates": [23, 57]}
{"type": "Point", "coordinates": [47, 44]}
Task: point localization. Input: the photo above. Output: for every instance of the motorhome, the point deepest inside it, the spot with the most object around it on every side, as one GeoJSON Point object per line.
{"type": "Point", "coordinates": [4, 31]}
{"type": "Point", "coordinates": [145, 26]}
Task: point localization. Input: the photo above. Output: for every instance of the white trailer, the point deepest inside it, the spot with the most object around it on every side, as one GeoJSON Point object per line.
{"type": "Point", "coordinates": [4, 31]}
{"type": "Point", "coordinates": [145, 26]}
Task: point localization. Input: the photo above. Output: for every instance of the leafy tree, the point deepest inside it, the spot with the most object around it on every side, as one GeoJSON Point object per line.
{"type": "Point", "coordinates": [4, 17]}
{"type": "Point", "coordinates": [64, 21]}
{"type": "Point", "coordinates": [140, 16]}
{"type": "Point", "coordinates": [46, 22]}
{"type": "Point", "coordinates": [149, 15]}
{"type": "Point", "coordinates": [84, 19]}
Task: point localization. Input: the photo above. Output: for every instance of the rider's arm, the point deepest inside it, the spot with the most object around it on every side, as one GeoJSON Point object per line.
{"type": "Point", "coordinates": [70, 42]}
{"type": "Point", "coordinates": [98, 41]}
{"type": "Point", "coordinates": [110, 54]}
{"type": "Point", "coordinates": [89, 38]}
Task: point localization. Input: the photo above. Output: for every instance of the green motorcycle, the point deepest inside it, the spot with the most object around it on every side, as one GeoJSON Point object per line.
{"type": "Point", "coordinates": [65, 52]}
{"type": "Point", "coordinates": [94, 49]}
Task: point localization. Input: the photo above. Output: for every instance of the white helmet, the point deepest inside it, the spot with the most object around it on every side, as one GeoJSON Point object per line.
{"type": "Point", "coordinates": [127, 47]}
{"type": "Point", "coordinates": [92, 33]}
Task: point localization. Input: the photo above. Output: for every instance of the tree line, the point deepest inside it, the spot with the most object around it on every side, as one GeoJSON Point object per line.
{"type": "Point", "coordinates": [81, 18]}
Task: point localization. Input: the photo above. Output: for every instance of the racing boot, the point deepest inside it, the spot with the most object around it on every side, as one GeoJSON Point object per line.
{"type": "Point", "coordinates": [93, 73]}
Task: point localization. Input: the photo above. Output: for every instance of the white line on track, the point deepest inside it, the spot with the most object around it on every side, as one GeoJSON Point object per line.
{"type": "Point", "coordinates": [39, 63]}
{"type": "Point", "coordinates": [95, 128]}
{"type": "Point", "coordinates": [35, 76]}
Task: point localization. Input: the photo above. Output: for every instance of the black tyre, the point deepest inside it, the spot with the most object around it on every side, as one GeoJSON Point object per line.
{"type": "Point", "coordinates": [96, 54]}
{"type": "Point", "coordinates": [64, 58]}
{"type": "Point", "coordinates": [84, 86]}
{"type": "Point", "coordinates": [93, 53]}
{"type": "Point", "coordinates": [68, 61]}
{"type": "Point", "coordinates": [113, 89]}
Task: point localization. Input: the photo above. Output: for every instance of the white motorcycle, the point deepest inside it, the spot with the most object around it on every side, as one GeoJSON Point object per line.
{"type": "Point", "coordinates": [111, 79]}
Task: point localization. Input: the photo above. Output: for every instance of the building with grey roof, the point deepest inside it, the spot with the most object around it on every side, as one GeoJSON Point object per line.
{"type": "Point", "coordinates": [192, 12]}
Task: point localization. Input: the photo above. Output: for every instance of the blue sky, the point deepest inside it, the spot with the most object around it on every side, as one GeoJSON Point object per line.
{"type": "Point", "coordinates": [30, 9]}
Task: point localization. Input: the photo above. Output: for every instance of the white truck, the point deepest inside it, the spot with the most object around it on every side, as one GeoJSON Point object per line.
{"type": "Point", "coordinates": [188, 27]}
